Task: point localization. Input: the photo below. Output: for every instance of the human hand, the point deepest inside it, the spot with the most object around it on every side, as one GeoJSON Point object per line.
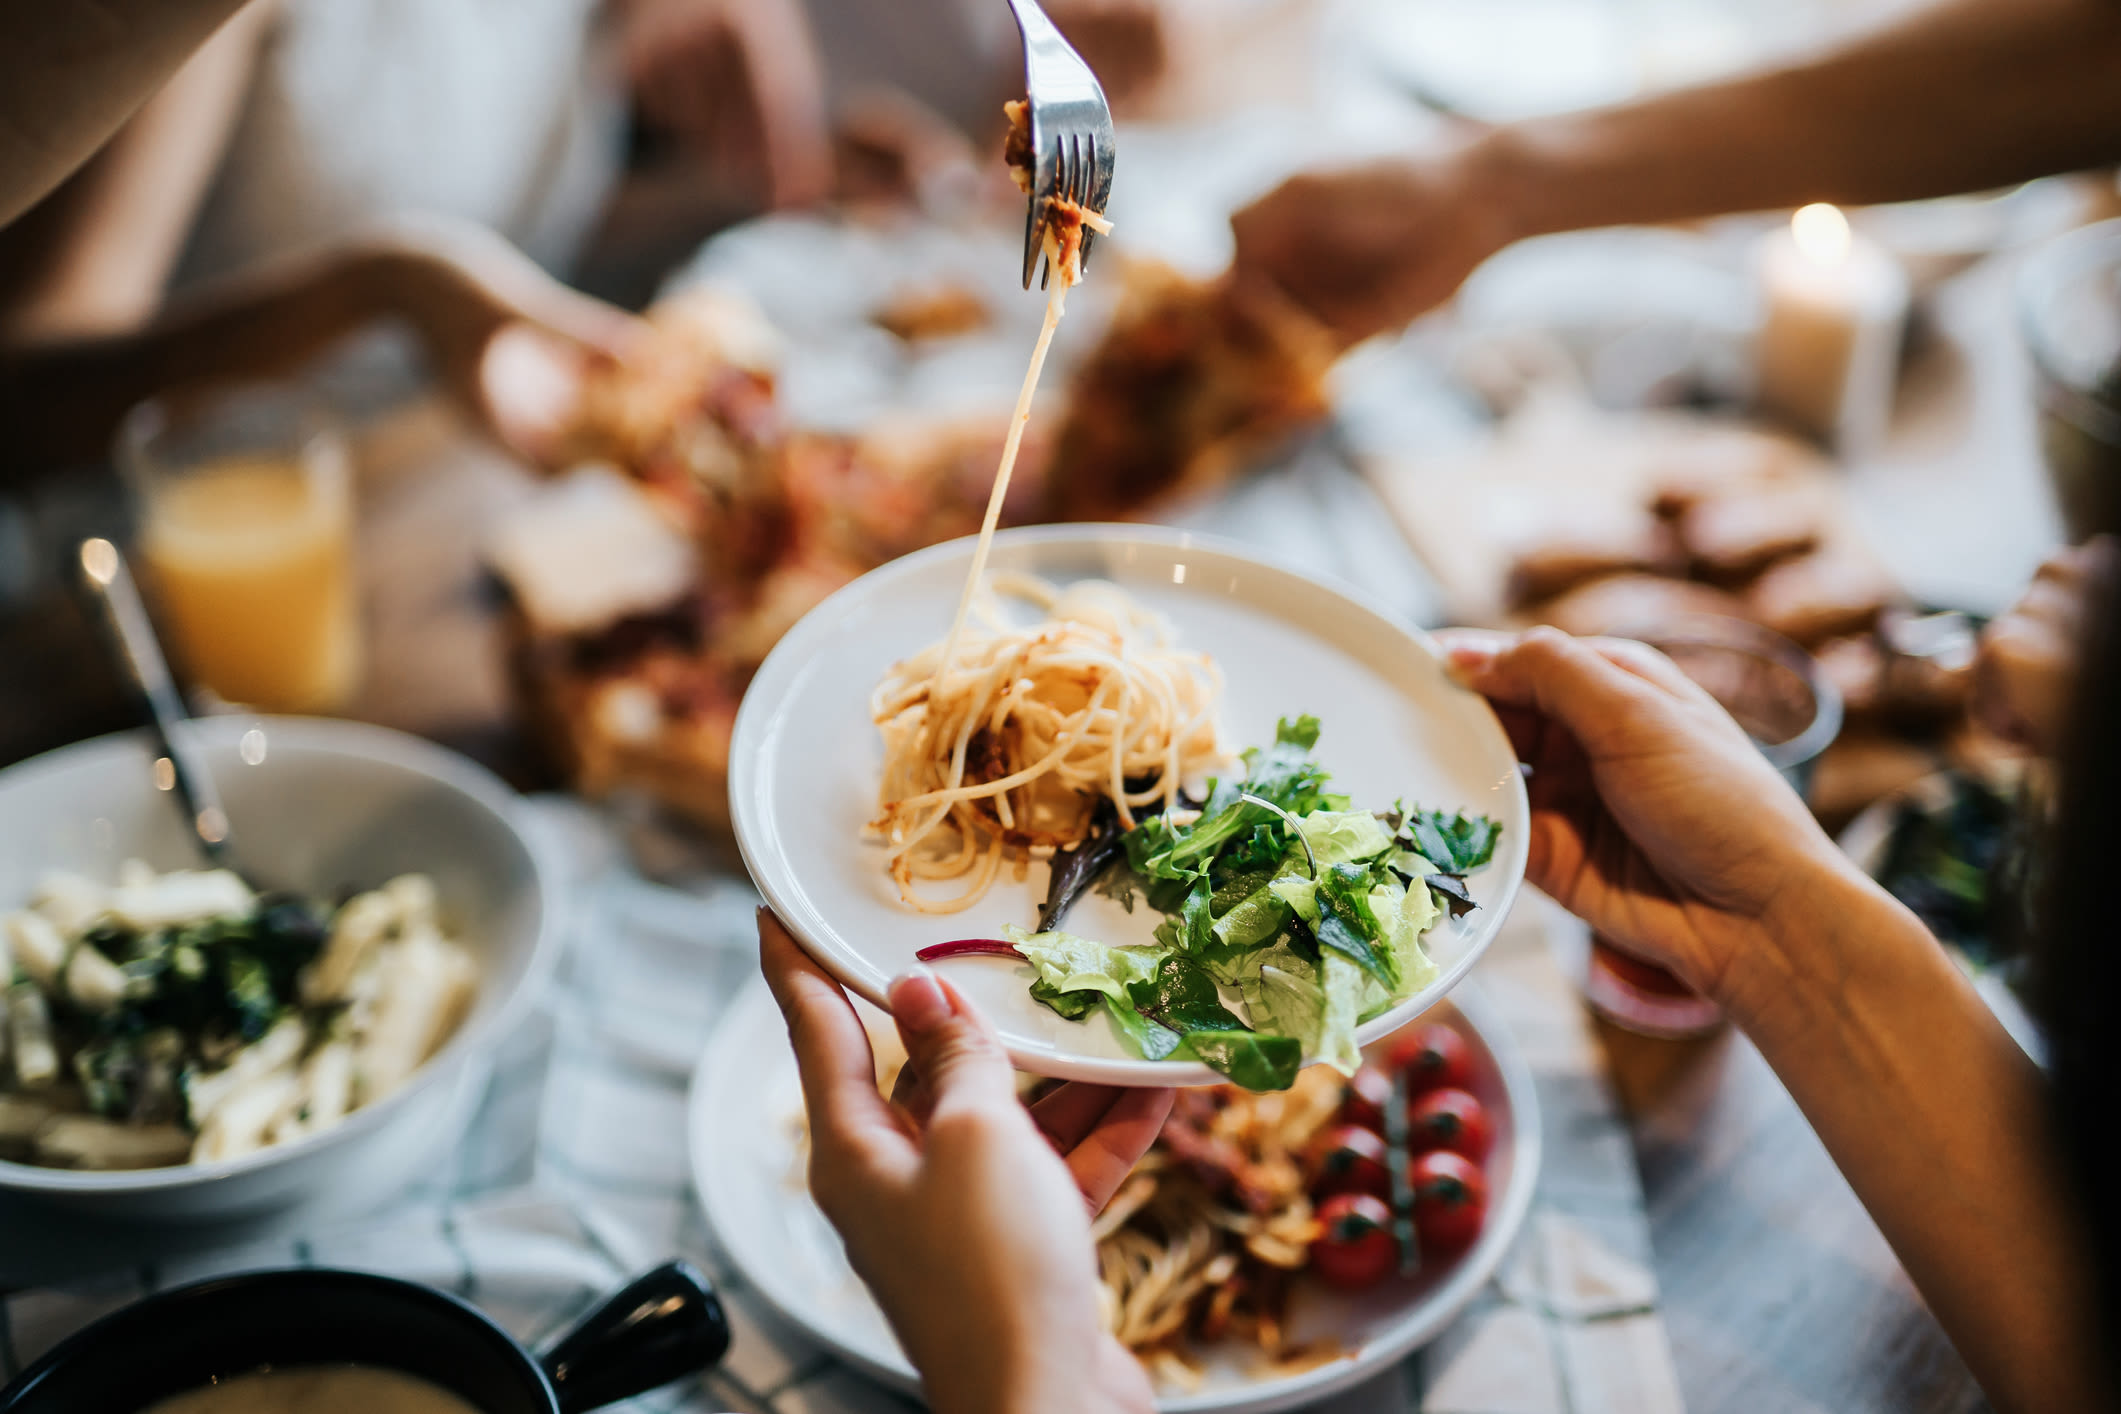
{"type": "Point", "coordinates": [967, 1214]}
{"type": "Point", "coordinates": [1654, 817]}
{"type": "Point", "coordinates": [2025, 675]}
{"type": "Point", "coordinates": [509, 340]}
{"type": "Point", "coordinates": [1367, 248]}
{"type": "Point", "coordinates": [740, 83]}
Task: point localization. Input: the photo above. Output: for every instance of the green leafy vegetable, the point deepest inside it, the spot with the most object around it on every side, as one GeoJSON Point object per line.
{"type": "Point", "coordinates": [1311, 912]}
{"type": "Point", "coordinates": [1183, 997]}
{"type": "Point", "coordinates": [1152, 1041]}
{"type": "Point", "coordinates": [1255, 1061]}
{"type": "Point", "coordinates": [1072, 1005]}
{"type": "Point", "coordinates": [1456, 843]}
{"type": "Point", "coordinates": [1344, 836]}
{"type": "Point", "coordinates": [1067, 963]}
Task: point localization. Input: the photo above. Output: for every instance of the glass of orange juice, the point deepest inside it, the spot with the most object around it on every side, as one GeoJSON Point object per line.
{"type": "Point", "coordinates": [246, 531]}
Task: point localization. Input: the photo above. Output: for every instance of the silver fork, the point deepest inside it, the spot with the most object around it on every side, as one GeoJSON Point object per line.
{"type": "Point", "coordinates": [1071, 132]}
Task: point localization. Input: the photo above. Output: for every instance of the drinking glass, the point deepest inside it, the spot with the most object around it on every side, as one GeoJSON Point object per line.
{"type": "Point", "coordinates": [246, 532]}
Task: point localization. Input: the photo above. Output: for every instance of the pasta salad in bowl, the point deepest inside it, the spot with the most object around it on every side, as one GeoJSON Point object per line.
{"type": "Point", "coordinates": [181, 1017]}
{"type": "Point", "coordinates": [178, 1042]}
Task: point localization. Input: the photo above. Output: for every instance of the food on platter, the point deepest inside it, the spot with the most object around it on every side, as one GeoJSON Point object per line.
{"type": "Point", "coordinates": [1277, 895]}
{"type": "Point", "coordinates": [933, 312]}
{"type": "Point", "coordinates": [1028, 739]}
{"type": "Point", "coordinates": [1192, 381]}
{"type": "Point", "coordinates": [180, 1016]}
{"type": "Point", "coordinates": [1246, 1196]}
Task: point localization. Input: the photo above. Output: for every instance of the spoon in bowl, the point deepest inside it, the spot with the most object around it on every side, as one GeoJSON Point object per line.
{"type": "Point", "coordinates": [179, 769]}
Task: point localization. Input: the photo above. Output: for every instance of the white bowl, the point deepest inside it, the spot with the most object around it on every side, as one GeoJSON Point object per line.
{"type": "Point", "coordinates": [324, 805]}
{"type": "Point", "coordinates": [805, 757]}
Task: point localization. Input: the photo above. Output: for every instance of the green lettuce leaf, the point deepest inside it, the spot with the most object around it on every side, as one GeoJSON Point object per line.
{"type": "Point", "coordinates": [1456, 843]}
{"type": "Point", "coordinates": [1284, 1002]}
{"type": "Point", "coordinates": [1254, 1061]}
{"type": "Point", "coordinates": [1340, 989]}
{"type": "Point", "coordinates": [1344, 836]}
{"type": "Point", "coordinates": [1067, 963]}
{"type": "Point", "coordinates": [1182, 996]}
{"type": "Point", "coordinates": [1149, 1040]}
{"type": "Point", "coordinates": [1072, 1005]}
{"type": "Point", "coordinates": [1300, 894]}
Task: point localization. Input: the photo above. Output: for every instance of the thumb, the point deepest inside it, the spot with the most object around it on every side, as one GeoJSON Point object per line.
{"type": "Point", "coordinates": [959, 1059]}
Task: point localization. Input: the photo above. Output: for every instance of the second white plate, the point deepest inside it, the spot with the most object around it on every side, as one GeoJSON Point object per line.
{"type": "Point", "coordinates": [744, 1131]}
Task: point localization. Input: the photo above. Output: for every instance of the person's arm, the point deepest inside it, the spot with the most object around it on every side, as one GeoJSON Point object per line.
{"type": "Point", "coordinates": [457, 286]}
{"type": "Point", "coordinates": [72, 71]}
{"type": "Point", "coordinates": [1656, 820]}
{"type": "Point", "coordinates": [95, 256]}
{"type": "Point", "coordinates": [1959, 96]}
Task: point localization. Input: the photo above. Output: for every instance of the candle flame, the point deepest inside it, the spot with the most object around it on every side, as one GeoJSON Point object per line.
{"type": "Point", "coordinates": [1821, 233]}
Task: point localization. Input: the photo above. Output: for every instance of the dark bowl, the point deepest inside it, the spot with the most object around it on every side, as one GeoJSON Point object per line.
{"type": "Point", "coordinates": [661, 1327]}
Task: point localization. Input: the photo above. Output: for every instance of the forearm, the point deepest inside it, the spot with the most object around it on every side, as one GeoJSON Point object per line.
{"type": "Point", "coordinates": [60, 401]}
{"type": "Point", "coordinates": [1965, 95]}
{"type": "Point", "coordinates": [1940, 1124]}
{"type": "Point", "coordinates": [71, 71]}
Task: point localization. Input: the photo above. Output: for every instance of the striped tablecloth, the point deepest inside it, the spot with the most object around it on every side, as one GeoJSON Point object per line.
{"type": "Point", "coordinates": [572, 1172]}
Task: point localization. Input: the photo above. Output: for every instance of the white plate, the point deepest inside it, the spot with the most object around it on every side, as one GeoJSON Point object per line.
{"type": "Point", "coordinates": [745, 1119]}
{"type": "Point", "coordinates": [805, 759]}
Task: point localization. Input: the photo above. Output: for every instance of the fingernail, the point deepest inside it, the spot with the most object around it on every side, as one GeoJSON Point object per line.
{"type": "Point", "coordinates": [917, 1000]}
{"type": "Point", "coordinates": [1470, 651]}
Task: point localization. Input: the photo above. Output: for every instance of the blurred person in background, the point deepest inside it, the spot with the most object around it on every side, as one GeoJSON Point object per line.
{"type": "Point", "coordinates": [1957, 96]}
{"type": "Point", "coordinates": [319, 164]}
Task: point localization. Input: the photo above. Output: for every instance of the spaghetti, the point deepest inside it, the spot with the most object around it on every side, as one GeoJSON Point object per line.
{"type": "Point", "coordinates": [1004, 740]}
{"type": "Point", "coordinates": [1203, 1240]}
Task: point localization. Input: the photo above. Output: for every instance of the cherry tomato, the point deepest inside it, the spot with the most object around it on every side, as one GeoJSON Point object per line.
{"type": "Point", "coordinates": [1449, 1119]}
{"type": "Point", "coordinates": [1349, 1159]}
{"type": "Point", "coordinates": [1357, 1248]}
{"type": "Point", "coordinates": [1450, 1200]}
{"type": "Point", "coordinates": [1432, 1057]}
{"type": "Point", "coordinates": [1364, 1098]}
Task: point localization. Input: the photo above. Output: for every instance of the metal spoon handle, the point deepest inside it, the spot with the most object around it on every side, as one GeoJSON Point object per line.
{"type": "Point", "coordinates": [180, 768]}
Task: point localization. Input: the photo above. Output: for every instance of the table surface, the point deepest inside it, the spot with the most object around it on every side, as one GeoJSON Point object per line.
{"type": "Point", "coordinates": [1778, 1291]}
{"type": "Point", "coordinates": [1779, 1294]}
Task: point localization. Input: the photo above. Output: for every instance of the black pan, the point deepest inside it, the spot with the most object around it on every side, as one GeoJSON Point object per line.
{"type": "Point", "coordinates": [663, 1326]}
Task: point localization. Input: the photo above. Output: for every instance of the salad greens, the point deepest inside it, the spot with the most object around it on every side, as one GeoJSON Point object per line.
{"type": "Point", "coordinates": [1278, 891]}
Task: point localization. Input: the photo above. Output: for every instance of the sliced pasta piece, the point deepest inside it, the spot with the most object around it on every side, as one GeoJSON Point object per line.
{"type": "Point", "coordinates": [35, 945]}
{"type": "Point", "coordinates": [427, 988]}
{"type": "Point", "coordinates": [93, 981]}
{"type": "Point", "coordinates": [30, 1027]}
{"type": "Point", "coordinates": [86, 1142]}
{"type": "Point", "coordinates": [241, 1124]}
{"type": "Point", "coordinates": [179, 897]}
{"type": "Point", "coordinates": [365, 921]}
{"type": "Point", "coordinates": [327, 1086]}
{"type": "Point", "coordinates": [414, 897]}
{"type": "Point", "coordinates": [72, 903]}
{"type": "Point", "coordinates": [277, 1049]}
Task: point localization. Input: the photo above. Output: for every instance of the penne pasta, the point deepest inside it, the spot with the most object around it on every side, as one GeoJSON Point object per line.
{"type": "Point", "coordinates": [180, 1017]}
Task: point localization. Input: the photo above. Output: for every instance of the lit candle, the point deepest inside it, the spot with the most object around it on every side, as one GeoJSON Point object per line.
{"type": "Point", "coordinates": [1829, 346]}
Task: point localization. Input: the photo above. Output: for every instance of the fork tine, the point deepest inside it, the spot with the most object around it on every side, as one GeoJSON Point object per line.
{"type": "Point", "coordinates": [1031, 241]}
